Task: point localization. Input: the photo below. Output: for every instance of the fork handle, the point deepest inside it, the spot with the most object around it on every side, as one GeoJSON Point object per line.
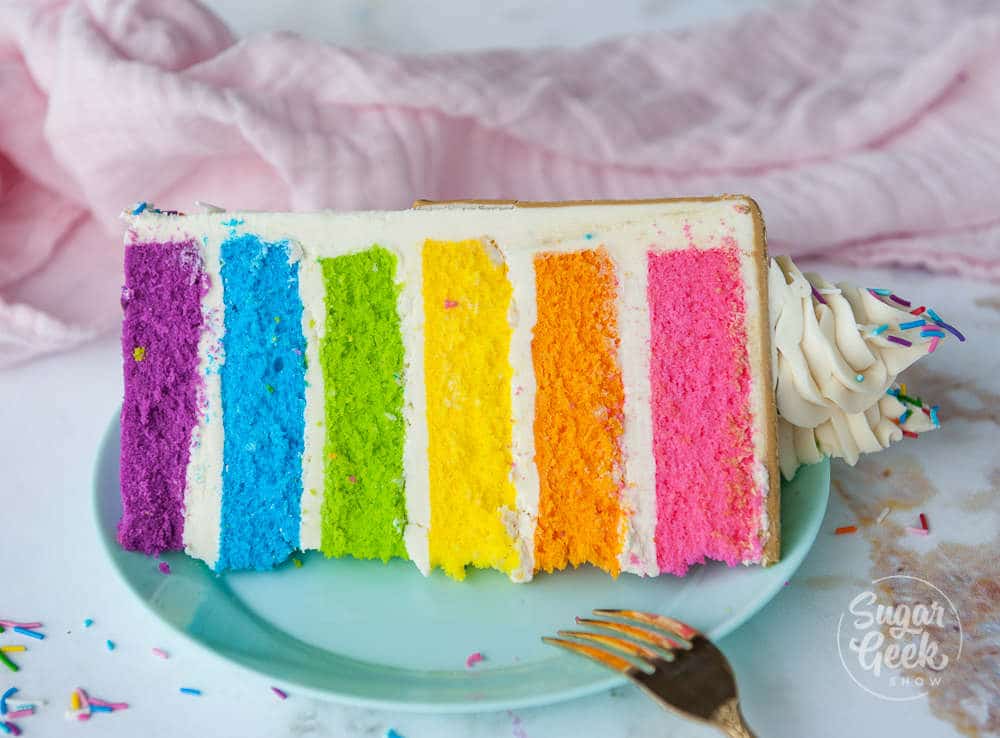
{"type": "Point", "coordinates": [730, 720]}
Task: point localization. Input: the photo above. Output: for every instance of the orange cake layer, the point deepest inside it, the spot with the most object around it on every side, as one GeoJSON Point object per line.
{"type": "Point", "coordinates": [579, 411]}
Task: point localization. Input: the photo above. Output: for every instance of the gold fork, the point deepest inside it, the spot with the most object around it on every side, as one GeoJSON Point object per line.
{"type": "Point", "coordinates": [670, 660]}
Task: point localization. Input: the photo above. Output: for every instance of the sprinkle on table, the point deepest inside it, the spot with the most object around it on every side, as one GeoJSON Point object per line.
{"type": "Point", "coordinates": [917, 531]}
{"type": "Point", "coordinates": [191, 691]}
{"type": "Point", "coordinates": [923, 522]}
{"type": "Point", "coordinates": [845, 530]}
{"type": "Point", "coordinates": [7, 662]}
{"type": "Point", "coordinates": [282, 694]}
{"type": "Point", "coordinates": [161, 653]}
{"type": "Point", "coordinates": [4, 697]}
{"type": "Point", "coordinates": [12, 649]}
{"type": "Point", "coordinates": [297, 563]}
{"type": "Point", "coordinates": [87, 622]}
{"type": "Point", "coordinates": [164, 567]}
{"type": "Point", "coordinates": [83, 707]}
{"type": "Point", "coordinates": [391, 733]}
{"type": "Point", "coordinates": [110, 644]}
{"type": "Point", "coordinates": [30, 633]}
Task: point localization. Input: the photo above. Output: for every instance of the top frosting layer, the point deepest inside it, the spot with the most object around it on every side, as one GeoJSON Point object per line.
{"type": "Point", "coordinates": [837, 350]}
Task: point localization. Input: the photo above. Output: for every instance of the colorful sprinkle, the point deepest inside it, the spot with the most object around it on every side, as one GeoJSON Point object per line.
{"type": "Point", "coordinates": [934, 416]}
{"type": "Point", "coordinates": [473, 659]}
{"type": "Point", "coordinates": [900, 341]}
{"type": "Point", "coordinates": [140, 207]}
{"type": "Point", "coordinates": [818, 296]}
{"type": "Point", "coordinates": [297, 563]}
{"type": "Point", "coordinates": [94, 707]}
{"type": "Point", "coordinates": [952, 330]}
{"type": "Point", "coordinates": [112, 705]}
{"type": "Point", "coordinates": [161, 653]}
{"type": "Point", "coordinates": [859, 377]}
{"type": "Point", "coordinates": [846, 530]}
{"type": "Point", "coordinates": [10, 728]}
{"type": "Point", "coordinates": [880, 330]}
{"type": "Point", "coordinates": [916, 531]}
{"type": "Point", "coordinates": [917, 311]}
{"type": "Point", "coordinates": [3, 699]}
{"type": "Point", "coordinates": [909, 434]}
{"type": "Point", "coordinates": [164, 567]}
{"type": "Point", "coordinates": [883, 515]}
{"type": "Point", "coordinates": [139, 353]}
{"type": "Point", "coordinates": [110, 644]}
{"type": "Point", "coordinates": [11, 649]}
{"type": "Point", "coordinates": [282, 694]}
{"type": "Point", "coordinates": [923, 522]}
{"type": "Point", "coordinates": [30, 633]}
{"type": "Point", "coordinates": [22, 713]}
{"type": "Point", "coordinates": [448, 304]}
{"type": "Point", "coordinates": [74, 701]}
{"type": "Point", "coordinates": [879, 291]}
{"type": "Point", "coordinates": [900, 301]}
{"type": "Point", "coordinates": [391, 733]}
{"type": "Point", "coordinates": [892, 391]}
{"type": "Point", "coordinates": [931, 332]}
{"type": "Point", "coordinates": [934, 316]}
{"type": "Point", "coordinates": [912, 324]}
{"type": "Point", "coordinates": [87, 623]}
{"type": "Point", "coordinates": [915, 401]}
{"type": "Point", "coordinates": [191, 690]}
{"type": "Point", "coordinates": [905, 416]}
{"type": "Point", "coordinates": [933, 345]}
{"type": "Point", "coordinates": [16, 624]}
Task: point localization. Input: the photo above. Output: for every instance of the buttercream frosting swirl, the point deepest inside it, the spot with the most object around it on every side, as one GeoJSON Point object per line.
{"type": "Point", "coordinates": [836, 351]}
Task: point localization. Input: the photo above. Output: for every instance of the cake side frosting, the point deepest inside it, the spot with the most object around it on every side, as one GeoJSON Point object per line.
{"type": "Point", "coordinates": [838, 353]}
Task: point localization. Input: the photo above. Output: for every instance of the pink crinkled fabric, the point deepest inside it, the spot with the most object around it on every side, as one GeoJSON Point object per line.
{"type": "Point", "coordinates": [866, 129]}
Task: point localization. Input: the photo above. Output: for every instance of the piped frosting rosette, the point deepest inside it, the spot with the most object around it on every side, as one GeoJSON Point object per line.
{"type": "Point", "coordinates": [837, 352]}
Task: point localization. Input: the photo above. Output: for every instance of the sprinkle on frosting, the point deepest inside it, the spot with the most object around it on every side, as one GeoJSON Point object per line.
{"type": "Point", "coordinates": [139, 353]}
{"type": "Point", "coordinates": [912, 324]}
{"type": "Point", "coordinates": [900, 341]}
{"type": "Point", "coordinates": [846, 530]}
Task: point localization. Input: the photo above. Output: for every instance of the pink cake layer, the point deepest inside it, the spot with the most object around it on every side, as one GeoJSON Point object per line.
{"type": "Point", "coordinates": [708, 505]}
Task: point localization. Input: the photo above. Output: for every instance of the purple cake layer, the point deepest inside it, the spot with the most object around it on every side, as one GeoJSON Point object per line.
{"type": "Point", "coordinates": [164, 284]}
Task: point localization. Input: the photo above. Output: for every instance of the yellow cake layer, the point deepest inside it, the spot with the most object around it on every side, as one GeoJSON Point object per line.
{"type": "Point", "coordinates": [467, 336]}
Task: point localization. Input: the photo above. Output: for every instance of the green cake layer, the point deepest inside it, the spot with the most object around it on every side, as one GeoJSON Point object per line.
{"type": "Point", "coordinates": [364, 509]}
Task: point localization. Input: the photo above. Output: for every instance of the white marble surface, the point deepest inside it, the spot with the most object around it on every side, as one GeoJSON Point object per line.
{"type": "Point", "coordinates": [53, 412]}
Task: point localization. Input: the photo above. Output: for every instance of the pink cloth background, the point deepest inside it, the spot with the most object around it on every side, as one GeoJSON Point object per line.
{"type": "Point", "coordinates": [869, 132]}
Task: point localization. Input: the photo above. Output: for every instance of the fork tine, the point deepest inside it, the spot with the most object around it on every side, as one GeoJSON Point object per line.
{"type": "Point", "coordinates": [641, 652]}
{"type": "Point", "coordinates": [592, 652]}
{"type": "Point", "coordinates": [652, 637]}
{"type": "Point", "coordinates": [670, 625]}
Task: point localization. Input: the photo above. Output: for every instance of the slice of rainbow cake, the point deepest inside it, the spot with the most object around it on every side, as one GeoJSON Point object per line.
{"type": "Point", "coordinates": [515, 386]}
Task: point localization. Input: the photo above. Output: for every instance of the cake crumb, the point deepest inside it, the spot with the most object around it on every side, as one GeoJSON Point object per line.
{"type": "Point", "coordinates": [473, 659]}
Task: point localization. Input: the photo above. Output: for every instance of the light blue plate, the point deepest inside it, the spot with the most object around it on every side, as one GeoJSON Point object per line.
{"type": "Point", "coordinates": [382, 636]}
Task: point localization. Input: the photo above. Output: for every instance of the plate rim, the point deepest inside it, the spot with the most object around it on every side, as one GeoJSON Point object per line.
{"type": "Point", "coordinates": [109, 545]}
